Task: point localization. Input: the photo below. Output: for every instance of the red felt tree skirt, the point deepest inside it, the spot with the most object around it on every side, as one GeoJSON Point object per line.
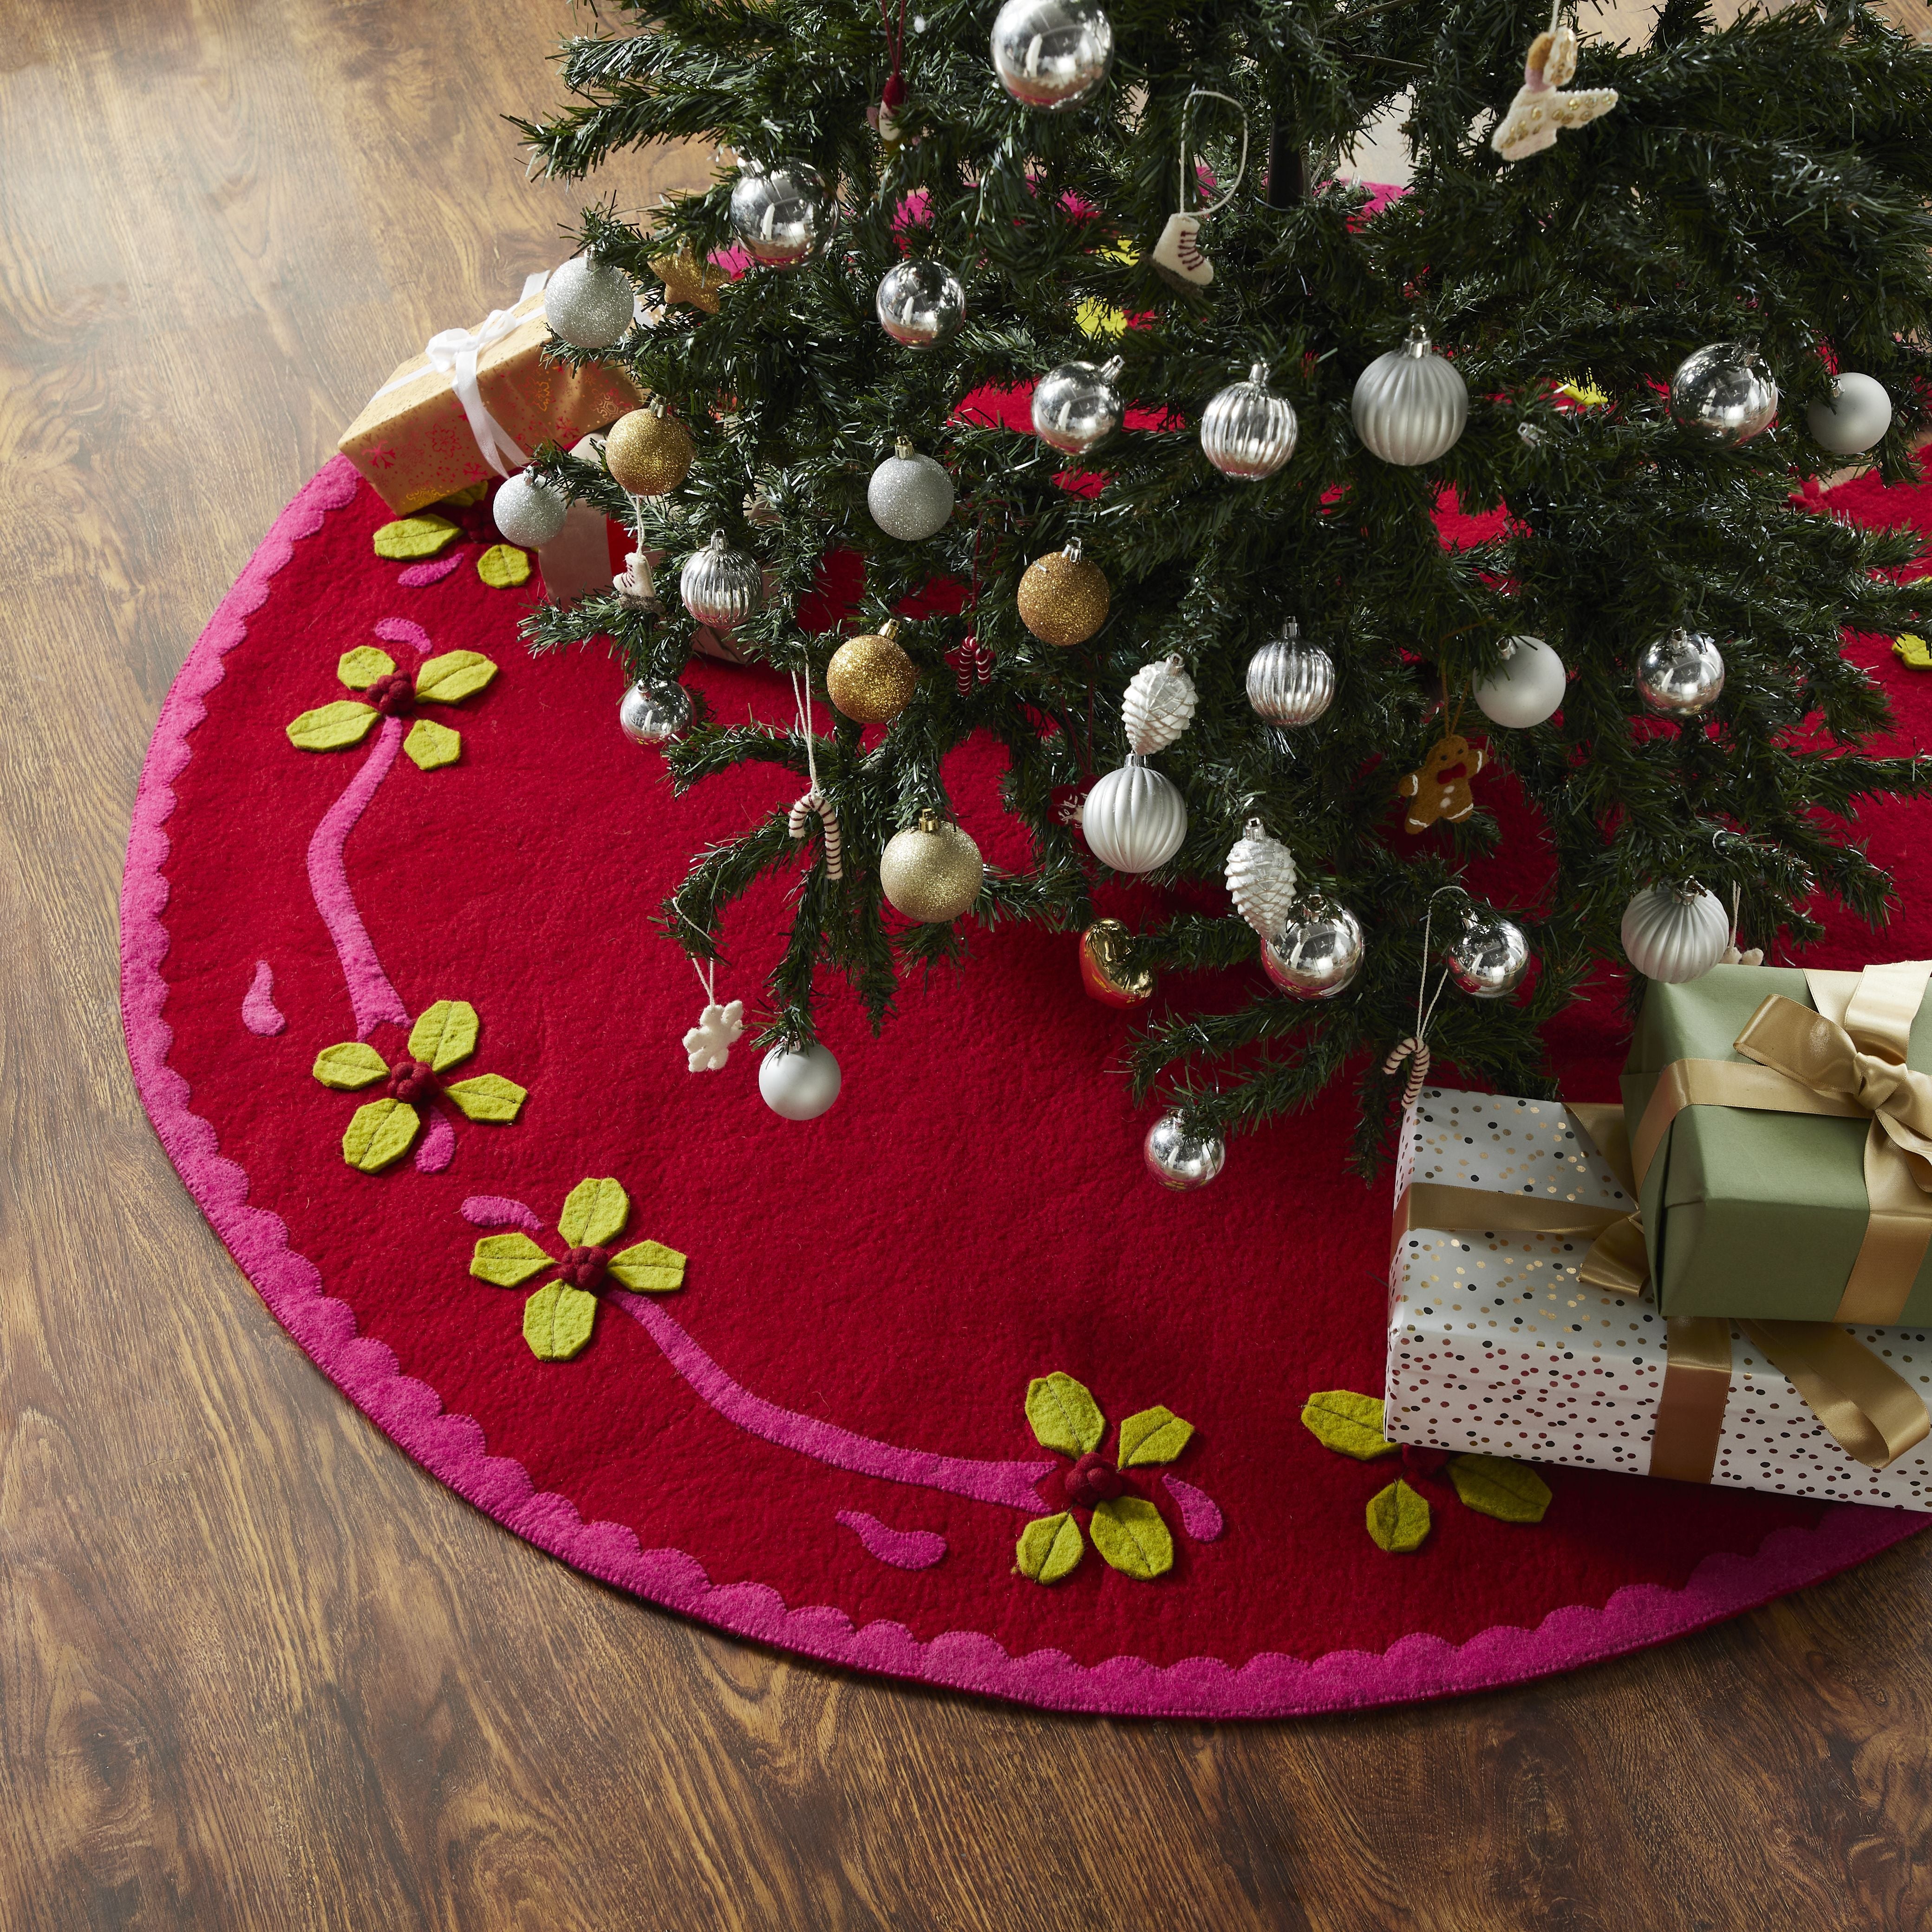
{"type": "Point", "coordinates": [818, 1440]}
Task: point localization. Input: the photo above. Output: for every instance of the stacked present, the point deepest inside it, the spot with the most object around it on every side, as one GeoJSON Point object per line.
{"type": "Point", "coordinates": [1718, 1281]}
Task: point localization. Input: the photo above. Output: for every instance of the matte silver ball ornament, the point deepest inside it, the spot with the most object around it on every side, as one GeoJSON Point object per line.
{"type": "Point", "coordinates": [1675, 933]}
{"type": "Point", "coordinates": [1247, 431]}
{"type": "Point", "coordinates": [1076, 404]}
{"type": "Point", "coordinates": [911, 496]}
{"type": "Point", "coordinates": [1680, 674]}
{"type": "Point", "coordinates": [528, 512]}
{"type": "Point", "coordinates": [653, 714]}
{"type": "Point", "coordinates": [800, 1086]}
{"type": "Point", "coordinates": [589, 304]}
{"type": "Point", "coordinates": [1857, 415]}
{"type": "Point", "coordinates": [1411, 405]}
{"type": "Point", "coordinates": [1051, 54]}
{"type": "Point", "coordinates": [1488, 958]}
{"type": "Point", "coordinates": [1529, 688]}
{"type": "Point", "coordinates": [920, 303]}
{"type": "Point", "coordinates": [1135, 819]}
{"type": "Point", "coordinates": [1317, 952]}
{"type": "Point", "coordinates": [721, 586]}
{"type": "Point", "coordinates": [1290, 683]}
{"type": "Point", "coordinates": [781, 212]}
{"type": "Point", "coordinates": [1180, 1157]}
{"type": "Point", "coordinates": [1724, 392]}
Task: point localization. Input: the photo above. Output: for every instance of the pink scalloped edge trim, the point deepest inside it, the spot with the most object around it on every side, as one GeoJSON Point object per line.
{"type": "Point", "coordinates": [452, 1447]}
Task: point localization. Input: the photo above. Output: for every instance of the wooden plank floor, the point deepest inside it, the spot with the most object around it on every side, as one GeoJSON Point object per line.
{"type": "Point", "coordinates": [256, 1671]}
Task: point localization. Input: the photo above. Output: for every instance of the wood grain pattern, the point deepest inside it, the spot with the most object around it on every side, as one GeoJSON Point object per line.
{"type": "Point", "coordinates": [256, 1671]}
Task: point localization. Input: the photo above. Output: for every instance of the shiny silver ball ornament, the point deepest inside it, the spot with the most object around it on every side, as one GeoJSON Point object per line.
{"type": "Point", "coordinates": [1076, 404]}
{"type": "Point", "coordinates": [920, 303]}
{"type": "Point", "coordinates": [1247, 431]}
{"type": "Point", "coordinates": [1488, 958]}
{"type": "Point", "coordinates": [781, 213]}
{"type": "Point", "coordinates": [1051, 54]}
{"type": "Point", "coordinates": [589, 304]}
{"type": "Point", "coordinates": [1529, 688]}
{"type": "Point", "coordinates": [1411, 405]}
{"type": "Point", "coordinates": [1180, 1157]}
{"type": "Point", "coordinates": [800, 1086]}
{"type": "Point", "coordinates": [1857, 415]}
{"type": "Point", "coordinates": [528, 512]}
{"type": "Point", "coordinates": [1317, 952]}
{"type": "Point", "coordinates": [1724, 392]}
{"type": "Point", "coordinates": [1680, 674]}
{"type": "Point", "coordinates": [721, 586]}
{"type": "Point", "coordinates": [1675, 933]}
{"type": "Point", "coordinates": [1290, 683]}
{"type": "Point", "coordinates": [1135, 819]}
{"type": "Point", "coordinates": [654, 714]}
{"type": "Point", "coordinates": [910, 496]}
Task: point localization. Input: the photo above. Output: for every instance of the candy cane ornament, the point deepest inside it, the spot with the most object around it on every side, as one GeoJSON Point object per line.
{"type": "Point", "coordinates": [814, 801]}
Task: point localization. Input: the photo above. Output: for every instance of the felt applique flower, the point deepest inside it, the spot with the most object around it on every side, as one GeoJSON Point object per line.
{"type": "Point", "coordinates": [1126, 1527]}
{"type": "Point", "coordinates": [447, 679]}
{"type": "Point", "coordinates": [558, 1316]}
{"type": "Point", "coordinates": [383, 1130]}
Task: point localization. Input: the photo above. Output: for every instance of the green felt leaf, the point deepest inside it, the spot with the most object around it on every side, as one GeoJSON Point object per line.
{"type": "Point", "coordinates": [557, 1321]}
{"type": "Point", "coordinates": [1496, 1486]}
{"type": "Point", "coordinates": [508, 1260]}
{"type": "Point", "coordinates": [593, 1211]}
{"type": "Point", "coordinates": [650, 1268]}
{"type": "Point", "coordinates": [444, 1033]}
{"type": "Point", "coordinates": [360, 668]}
{"type": "Point", "coordinates": [1064, 1417]}
{"type": "Point", "coordinates": [331, 727]}
{"type": "Point", "coordinates": [410, 537]}
{"type": "Point", "coordinates": [1129, 1533]}
{"type": "Point", "coordinates": [1156, 1435]}
{"type": "Point", "coordinates": [348, 1066]}
{"type": "Point", "coordinates": [503, 566]}
{"type": "Point", "coordinates": [487, 1096]}
{"type": "Point", "coordinates": [453, 676]}
{"type": "Point", "coordinates": [1348, 1422]}
{"type": "Point", "coordinates": [431, 745]}
{"type": "Point", "coordinates": [1399, 1519]}
{"type": "Point", "coordinates": [379, 1132]}
{"type": "Point", "coordinates": [1050, 1547]}
{"type": "Point", "coordinates": [470, 493]}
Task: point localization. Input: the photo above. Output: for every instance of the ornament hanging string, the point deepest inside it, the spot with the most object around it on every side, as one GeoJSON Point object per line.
{"type": "Point", "coordinates": [1415, 1048]}
{"type": "Point", "coordinates": [814, 801]}
{"type": "Point", "coordinates": [1221, 200]}
{"type": "Point", "coordinates": [894, 93]}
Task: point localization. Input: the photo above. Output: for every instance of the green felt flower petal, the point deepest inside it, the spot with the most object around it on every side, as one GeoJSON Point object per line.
{"type": "Point", "coordinates": [508, 1260]}
{"type": "Point", "coordinates": [411, 537]}
{"type": "Point", "coordinates": [360, 668]}
{"type": "Point", "coordinates": [1156, 1435]}
{"type": "Point", "coordinates": [593, 1211]}
{"type": "Point", "coordinates": [1050, 1547]}
{"type": "Point", "coordinates": [331, 727]}
{"type": "Point", "coordinates": [453, 676]}
{"type": "Point", "coordinates": [1496, 1486]}
{"type": "Point", "coordinates": [1064, 1417]}
{"type": "Point", "coordinates": [1399, 1520]}
{"type": "Point", "coordinates": [349, 1066]}
{"type": "Point", "coordinates": [503, 566]}
{"type": "Point", "coordinates": [488, 1096]}
{"type": "Point", "coordinates": [557, 1321]}
{"type": "Point", "coordinates": [650, 1268]}
{"type": "Point", "coordinates": [379, 1133]}
{"type": "Point", "coordinates": [1348, 1422]}
{"type": "Point", "coordinates": [445, 1033]}
{"type": "Point", "coordinates": [1128, 1533]}
{"type": "Point", "coordinates": [431, 744]}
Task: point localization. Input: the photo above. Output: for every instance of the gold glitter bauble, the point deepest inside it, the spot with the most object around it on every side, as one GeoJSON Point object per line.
{"type": "Point", "coordinates": [932, 872]}
{"type": "Point", "coordinates": [870, 679]}
{"type": "Point", "coordinates": [647, 453]}
{"type": "Point", "coordinates": [1063, 598]}
{"type": "Point", "coordinates": [684, 281]}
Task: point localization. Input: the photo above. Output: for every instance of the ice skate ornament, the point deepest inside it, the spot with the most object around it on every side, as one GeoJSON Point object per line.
{"type": "Point", "coordinates": [1541, 106]}
{"type": "Point", "coordinates": [1177, 255]}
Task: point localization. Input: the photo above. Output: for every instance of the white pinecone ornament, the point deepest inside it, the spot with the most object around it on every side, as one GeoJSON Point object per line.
{"type": "Point", "coordinates": [1159, 706]}
{"type": "Point", "coordinates": [1261, 879]}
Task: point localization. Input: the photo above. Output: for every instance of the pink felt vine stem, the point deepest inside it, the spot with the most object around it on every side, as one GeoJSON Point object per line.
{"type": "Point", "coordinates": [371, 995]}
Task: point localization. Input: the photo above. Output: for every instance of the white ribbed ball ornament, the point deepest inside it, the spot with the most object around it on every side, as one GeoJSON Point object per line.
{"type": "Point", "coordinates": [1527, 690]}
{"type": "Point", "coordinates": [1158, 706]}
{"type": "Point", "coordinates": [800, 1086]}
{"type": "Point", "coordinates": [911, 496]}
{"type": "Point", "coordinates": [1261, 879]}
{"type": "Point", "coordinates": [1857, 415]}
{"type": "Point", "coordinates": [1247, 431]}
{"type": "Point", "coordinates": [1675, 933]}
{"type": "Point", "coordinates": [528, 512]}
{"type": "Point", "coordinates": [1135, 819]}
{"type": "Point", "coordinates": [589, 304]}
{"type": "Point", "coordinates": [721, 586]}
{"type": "Point", "coordinates": [1290, 683]}
{"type": "Point", "coordinates": [1411, 405]}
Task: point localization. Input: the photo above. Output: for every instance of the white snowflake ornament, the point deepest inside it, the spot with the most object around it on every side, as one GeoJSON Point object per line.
{"type": "Point", "coordinates": [709, 1044]}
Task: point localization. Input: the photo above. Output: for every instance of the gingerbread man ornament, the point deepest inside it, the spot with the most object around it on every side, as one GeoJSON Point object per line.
{"type": "Point", "coordinates": [1441, 789]}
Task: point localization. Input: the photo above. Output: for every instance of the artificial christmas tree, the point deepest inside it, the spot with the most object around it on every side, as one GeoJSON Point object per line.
{"type": "Point", "coordinates": [1581, 339]}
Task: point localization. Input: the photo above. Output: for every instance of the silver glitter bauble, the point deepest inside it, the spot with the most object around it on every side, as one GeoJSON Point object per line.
{"type": "Point", "coordinates": [920, 303]}
{"type": "Point", "coordinates": [1135, 819]}
{"type": "Point", "coordinates": [721, 586]}
{"type": "Point", "coordinates": [653, 714]}
{"type": "Point", "coordinates": [589, 304]}
{"type": "Point", "coordinates": [1490, 957]}
{"type": "Point", "coordinates": [1317, 952]}
{"type": "Point", "coordinates": [1680, 674]}
{"type": "Point", "coordinates": [1675, 933]}
{"type": "Point", "coordinates": [1724, 392]}
{"type": "Point", "coordinates": [1248, 432]}
{"type": "Point", "coordinates": [1289, 683]}
{"type": "Point", "coordinates": [910, 496]}
{"type": "Point", "coordinates": [780, 213]}
{"type": "Point", "coordinates": [1529, 688]}
{"type": "Point", "coordinates": [1410, 405]}
{"type": "Point", "coordinates": [528, 512]}
{"type": "Point", "coordinates": [800, 1086]}
{"type": "Point", "coordinates": [1076, 404]}
{"type": "Point", "coordinates": [1180, 1157]}
{"type": "Point", "coordinates": [1857, 415]}
{"type": "Point", "coordinates": [1051, 53]}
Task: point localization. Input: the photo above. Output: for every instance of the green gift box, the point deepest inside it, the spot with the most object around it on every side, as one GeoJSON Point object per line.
{"type": "Point", "coordinates": [1751, 1214]}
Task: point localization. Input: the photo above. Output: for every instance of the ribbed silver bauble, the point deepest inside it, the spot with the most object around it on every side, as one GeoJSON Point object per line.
{"type": "Point", "coordinates": [1410, 405]}
{"type": "Point", "coordinates": [1724, 392]}
{"type": "Point", "coordinates": [528, 512]}
{"type": "Point", "coordinates": [1317, 952]}
{"type": "Point", "coordinates": [920, 303]}
{"type": "Point", "coordinates": [781, 213]}
{"type": "Point", "coordinates": [1290, 683]}
{"type": "Point", "coordinates": [1247, 431]}
{"type": "Point", "coordinates": [1135, 819]}
{"type": "Point", "coordinates": [1529, 688]}
{"type": "Point", "coordinates": [589, 304]}
{"type": "Point", "coordinates": [652, 714]}
{"type": "Point", "coordinates": [1857, 415]}
{"type": "Point", "coordinates": [910, 496]}
{"type": "Point", "coordinates": [1076, 404]}
{"type": "Point", "coordinates": [1490, 957]}
{"type": "Point", "coordinates": [1680, 674]}
{"type": "Point", "coordinates": [721, 586]}
{"type": "Point", "coordinates": [1051, 53]}
{"type": "Point", "coordinates": [1675, 933]}
{"type": "Point", "coordinates": [1180, 1157]}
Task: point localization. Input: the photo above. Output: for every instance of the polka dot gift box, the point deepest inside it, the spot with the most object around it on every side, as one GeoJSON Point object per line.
{"type": "Point", "coordinates": [1496, 1344]}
